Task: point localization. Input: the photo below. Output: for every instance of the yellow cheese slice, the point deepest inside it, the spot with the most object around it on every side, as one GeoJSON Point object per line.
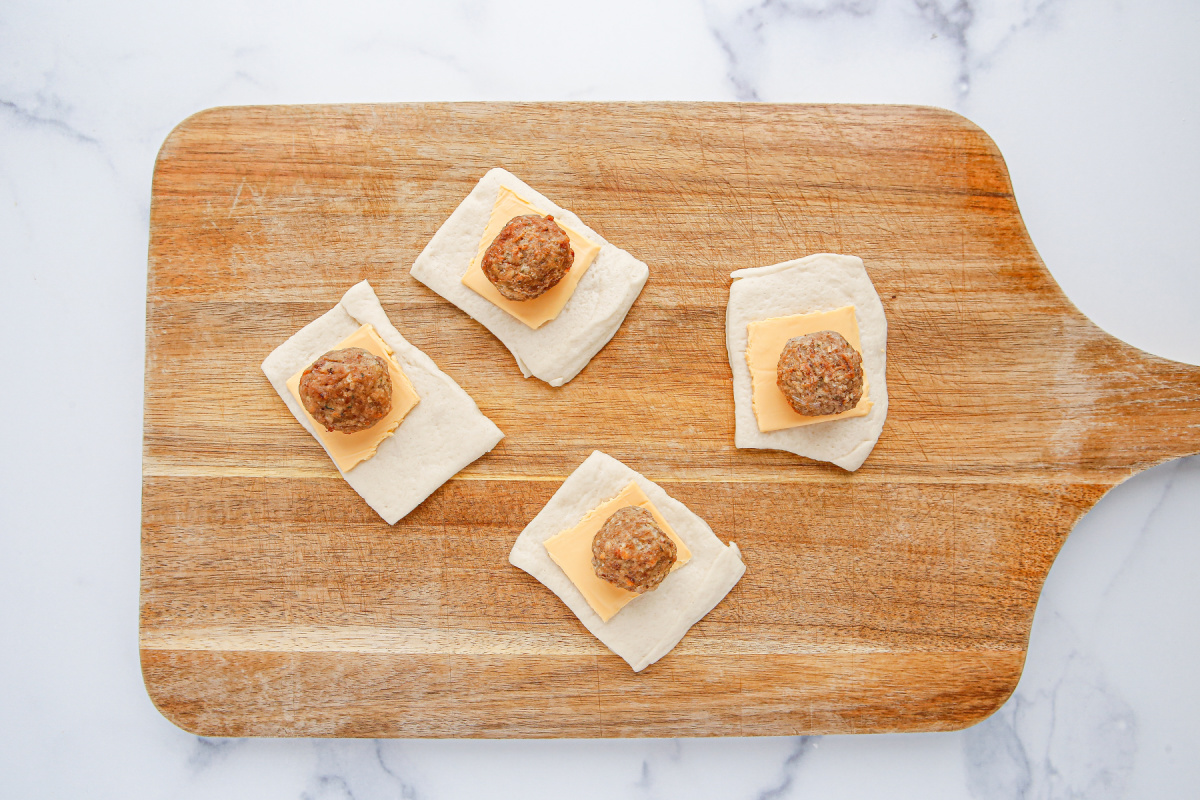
{"type": "Point", "coordinates": [766, 340]}
{"type": "Point", "coordinates": [572, 551]}
{"type": "Point", "coordinates": [349, 449]}
{"type": "Point", "coordinates": [536, 312]}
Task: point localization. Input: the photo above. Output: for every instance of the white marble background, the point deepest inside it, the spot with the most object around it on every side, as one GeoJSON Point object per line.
{"type": "Point", "coordinates": [1096, 106]}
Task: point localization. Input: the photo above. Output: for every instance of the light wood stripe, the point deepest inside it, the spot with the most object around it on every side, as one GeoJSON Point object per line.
{"type": "Point", "coordinates": [799, 476]}
{"type": "Point", "coordinates": [426, 641]}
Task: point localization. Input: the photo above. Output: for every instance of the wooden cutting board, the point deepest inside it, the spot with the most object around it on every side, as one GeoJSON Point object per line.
{"type": "Point", "coordinates": [274, 602]}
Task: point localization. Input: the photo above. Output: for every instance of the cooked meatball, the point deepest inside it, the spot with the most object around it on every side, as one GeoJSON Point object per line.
{"type": "Point", "coordinates": [820, 374]}
{"type": "Point", "coordinates": [530, 255]}
{"type": "Point", "coordinates": [631, 551]}
{"type": "Point", "coordinates": [347, 390]}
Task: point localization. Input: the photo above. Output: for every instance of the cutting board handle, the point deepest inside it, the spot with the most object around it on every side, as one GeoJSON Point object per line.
{"type": "Point", "coordinates": [1145, 409]}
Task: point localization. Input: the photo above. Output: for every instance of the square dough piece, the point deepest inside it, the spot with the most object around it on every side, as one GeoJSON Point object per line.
{"type": "Point", "coordinates": [558, 350]}
{"type": "Point", "coordinates": [820, 282]}
{"type": "Point", "coordinates": [445, 432]}
{"type": "Point", "coordinates": [649, 627]}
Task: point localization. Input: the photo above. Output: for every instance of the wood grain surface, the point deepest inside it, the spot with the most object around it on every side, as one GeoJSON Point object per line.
{"type": "Point", "coordinates": [274, 602]}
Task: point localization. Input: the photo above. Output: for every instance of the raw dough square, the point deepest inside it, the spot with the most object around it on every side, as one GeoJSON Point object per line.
{"type": "Point", "coordinates": [649, 627]}
{"type": "Point", "coordinates": [821, 282]}
{"type": "Point", "coordinates": [445, 432]}
{"type": "Point", "coordinates": [559, 349]}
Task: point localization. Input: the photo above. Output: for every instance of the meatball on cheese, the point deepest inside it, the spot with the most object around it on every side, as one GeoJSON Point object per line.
{"type": "Point", "coordinates": [528, 257]}
{"type": "Point", "coordinates": [347, 390]}
{"type": "Point", "coordinates": [631, 551]}
{"type": "Point", "coordinates": [820, 374]}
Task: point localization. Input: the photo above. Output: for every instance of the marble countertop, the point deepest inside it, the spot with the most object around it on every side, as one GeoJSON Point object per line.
{"type": "Point", "coordinates": [1096, 107]}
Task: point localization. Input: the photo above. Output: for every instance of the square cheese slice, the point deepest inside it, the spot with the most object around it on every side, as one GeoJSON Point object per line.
{"type": "Point", "coordinates": [536, 312]}
{"type": "Point", "coordinates": [766, 340]}
{"type": "Point", "coordinates": [823, 282]}
{"type": "Point", "coordinates": [572, 551]}
{"type": "Point", "coordinates": [559, 349]}
{"type": "Point", "coordinates": [649, 628]}
{"type": "Point", "coordinates": [441, 434]}
{"type": "Point", "coordinates": [348, 449]}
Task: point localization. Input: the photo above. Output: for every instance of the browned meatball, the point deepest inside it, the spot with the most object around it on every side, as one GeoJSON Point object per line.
{"type": "Point", "coordinates": [631, 551]}
{"type": "Point", "coordinates": [820, 374]}
{"type": "Point", "coordinates": [528, 257]}
{"type": "Point", "coordinates": [347, 390]}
